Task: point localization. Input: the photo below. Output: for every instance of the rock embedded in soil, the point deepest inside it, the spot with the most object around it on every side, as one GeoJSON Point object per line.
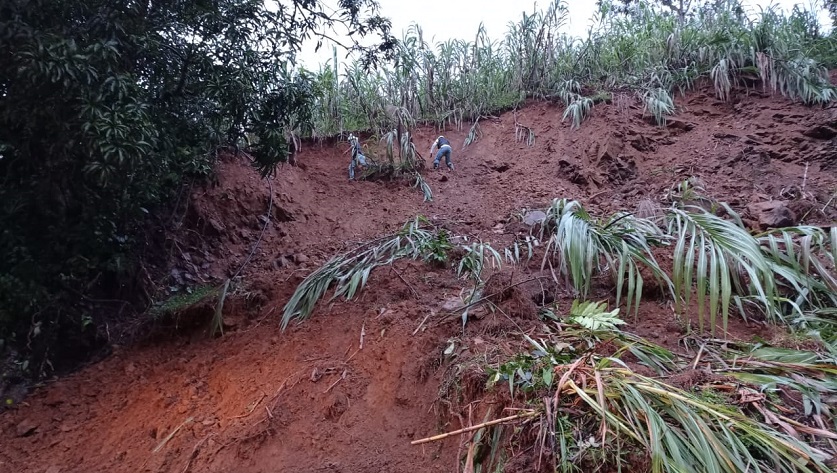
{"type": "Point", "coordinates": [26, 428]}
{"type": "Point", "coordinates": [772, 214]}
{"type": "Point", "coordinates": [280, 262]}
{"type": "Point", "coordinates": [451, 304]}
{"type": "Point", "coordinates": [534, 217]}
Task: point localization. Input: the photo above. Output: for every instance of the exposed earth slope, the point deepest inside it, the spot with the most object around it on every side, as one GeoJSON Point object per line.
{"type": "Point", "coordinates": [350, 388]}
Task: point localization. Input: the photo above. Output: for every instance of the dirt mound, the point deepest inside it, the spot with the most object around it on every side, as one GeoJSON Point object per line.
{"type": "Point", "coordinates": [346, 391]}
{"type": "Point", "coordinates": [311, 399]}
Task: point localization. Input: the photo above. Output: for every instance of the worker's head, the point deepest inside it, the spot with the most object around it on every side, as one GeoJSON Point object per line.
{"type": "Point", "coordinates": [440, 137]}
{"type": "Point", "coordinates": [351, 136]}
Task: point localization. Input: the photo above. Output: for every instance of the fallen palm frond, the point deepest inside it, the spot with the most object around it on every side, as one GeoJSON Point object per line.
{"type": "Point", "coordinates": [424, 187]}
{"type": "Point", "coordinates": [349, 272]}
{"type": "Point", "coordinates": [811, 375]}
{"type": "Point", "coordinates": [594, 403]}
{"type": "Point", "coordinates": [728, 259]}
{"type": "Point", "coordinates": [804, 259]}
{"type": "Point", "coordinates": [682, 432]}
{"type": "Point", "coordinates": [585, 248]}
{"type": "Point", "coordinates": [820, 323]}
{"type": "Point", "coordinates": [787, 274]}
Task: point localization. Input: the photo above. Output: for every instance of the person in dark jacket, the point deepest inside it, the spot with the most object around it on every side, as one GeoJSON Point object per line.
{"type": "Point", "coordinates": [443, 145]}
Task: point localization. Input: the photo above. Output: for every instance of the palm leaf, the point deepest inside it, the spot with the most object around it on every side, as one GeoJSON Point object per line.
{"type": "Point", "coordinates": [348, 273]}
{"type": "Point", "coordinates": [725, 252]}
{"type": "Point", "coordinates": [585, 248]}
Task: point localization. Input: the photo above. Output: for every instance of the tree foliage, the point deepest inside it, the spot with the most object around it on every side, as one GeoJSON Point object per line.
{"type": "Point", "coordinates": [106, 107]}
{"type": "Point", "coordinates": [831, 6]}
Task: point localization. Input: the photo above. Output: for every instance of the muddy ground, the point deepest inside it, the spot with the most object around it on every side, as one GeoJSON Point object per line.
{"type": "Point", "coordinates": [347, 390]}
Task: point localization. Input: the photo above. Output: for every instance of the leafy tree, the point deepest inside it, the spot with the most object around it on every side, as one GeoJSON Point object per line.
{"type": "Point", "coordinates": [106, 107]}
{"type": "Point", "coordinates": [831, 6]}
{"type": "Point", "coordinates": [679, 8]}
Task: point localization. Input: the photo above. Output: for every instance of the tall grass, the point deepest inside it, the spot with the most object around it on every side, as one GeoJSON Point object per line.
{"type": "Point", "coordinates": [651, 51]}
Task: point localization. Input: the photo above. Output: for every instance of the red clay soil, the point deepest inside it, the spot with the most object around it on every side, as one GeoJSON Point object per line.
{"type": "Point", "coordinates": [310, 399]}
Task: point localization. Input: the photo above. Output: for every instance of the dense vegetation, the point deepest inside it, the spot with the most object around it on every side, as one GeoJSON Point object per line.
{"type": "Point", "coordinates": [640, 47]}
{"type": "Point", "coordinates": [106, 110]}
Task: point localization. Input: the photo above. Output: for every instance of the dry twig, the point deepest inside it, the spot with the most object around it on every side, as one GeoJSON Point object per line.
{"type": "Point", "coordinates": [475, 427]}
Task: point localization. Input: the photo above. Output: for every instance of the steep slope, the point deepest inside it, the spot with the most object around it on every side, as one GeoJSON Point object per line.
{"type": "Point", "coordinates": [312, 399]}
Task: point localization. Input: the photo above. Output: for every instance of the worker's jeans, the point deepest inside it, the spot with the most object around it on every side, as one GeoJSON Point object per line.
{"type": "Point", "coordinates": [443, 151]}
{"type": "Point", "coordinates": [361, 159]}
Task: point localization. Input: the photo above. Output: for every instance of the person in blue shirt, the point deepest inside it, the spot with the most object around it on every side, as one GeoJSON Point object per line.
{"type": "Point", "coordinates": [358, 159]}
{"type": "Point", "coordinates": [443, 145]}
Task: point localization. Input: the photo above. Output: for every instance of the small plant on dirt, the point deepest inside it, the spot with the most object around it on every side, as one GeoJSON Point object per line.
{"type": "Point", "coordinates": [435, 250]}
{"type": "Point", "coordinates": [181, 301]}
{"type": "Point", "coordinates": [524, 134]}
{"type": "Point", "coordinates": [659, 104]}
{"type": "Point", "coordinates": [594, 316]}
{"type": "Point", "coordinates": [688, 192]}
{"type": "Point", "coordinates": [577, 110]}
{"type": "Point", "coordinates": [534, 370]}
{"type": "Point", "coordinates": [527, 243]}
{"type": "Point", "coordinates": [477, 256]}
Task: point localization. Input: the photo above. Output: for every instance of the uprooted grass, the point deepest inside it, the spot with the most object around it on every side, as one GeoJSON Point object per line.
{"type": "Point", "coordinates": [786, 275]}
{"type": "Point", "coordinates": [405, 163]}
{"type": "Point", "coordinates": [349, 272]}
{"type": "Point", "coordinates": [592, 410]}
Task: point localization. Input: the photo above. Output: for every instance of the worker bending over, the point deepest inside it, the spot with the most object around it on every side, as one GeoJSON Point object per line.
{"type": "Point", "coordinates": [443, 145]}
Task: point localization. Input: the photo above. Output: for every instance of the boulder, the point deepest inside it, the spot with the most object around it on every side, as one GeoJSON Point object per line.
{"type": "Point", "coordinates": [772, 214]}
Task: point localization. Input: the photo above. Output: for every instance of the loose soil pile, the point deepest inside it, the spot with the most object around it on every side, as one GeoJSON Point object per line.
{"type": "Point", "coordinates": [349, 389]}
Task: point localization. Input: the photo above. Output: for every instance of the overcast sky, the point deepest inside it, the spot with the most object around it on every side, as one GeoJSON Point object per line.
{"type": "Point", "coordinates": [445, 19]}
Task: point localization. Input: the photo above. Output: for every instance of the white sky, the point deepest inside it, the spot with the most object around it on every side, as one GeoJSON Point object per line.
{"type": "Point", "coordinates": [441, 20]}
